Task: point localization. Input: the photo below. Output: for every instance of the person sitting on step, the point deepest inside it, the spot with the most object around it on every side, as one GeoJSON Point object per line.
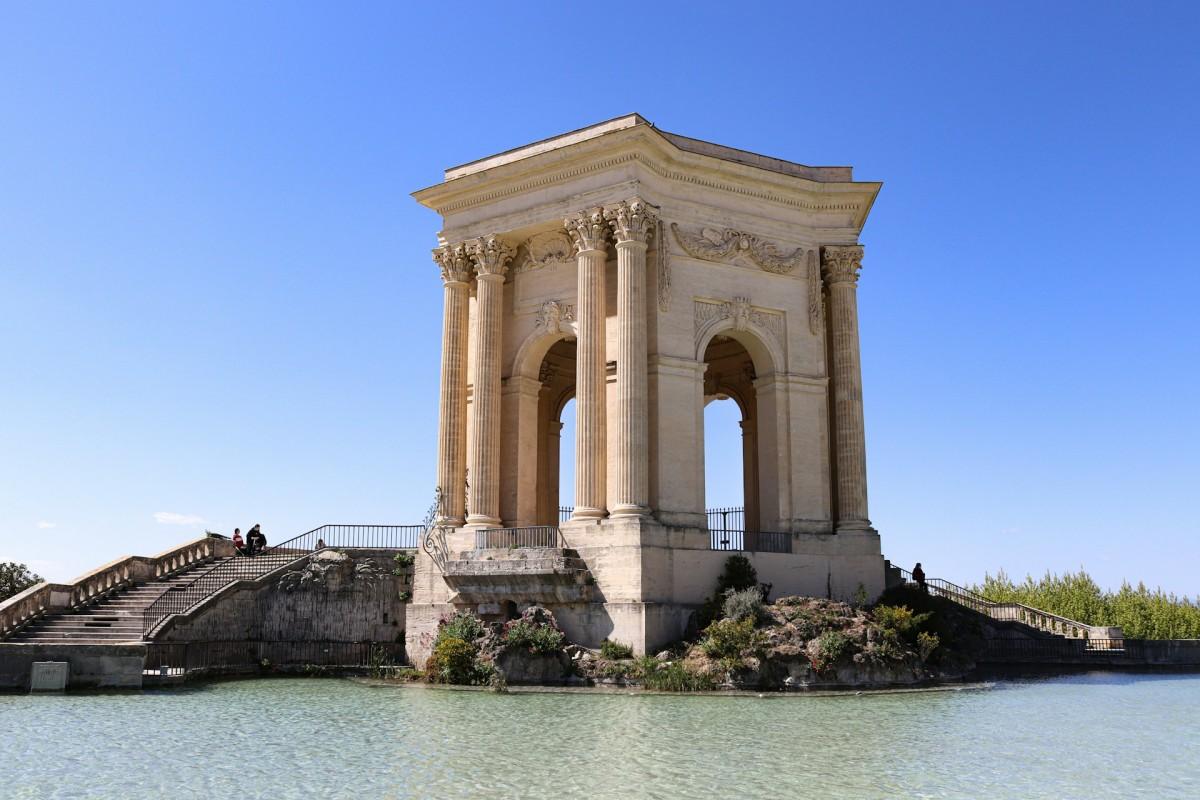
{"type": "Point", "coordinates": [918, 575]}
{"type": "Point", "coordinates": [255, 540]}
{"type": "Point", "coordinates": [239, 543]}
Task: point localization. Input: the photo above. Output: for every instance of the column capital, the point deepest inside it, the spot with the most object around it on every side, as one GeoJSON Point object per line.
{"type": "Point", "coordinates": [841, 263]}
{"type": "Point", "coordinates": [455, 263]}
{"type": "Point", "coordinates": [631, 220]}
{"type": "Point", "coordinates": [491, 255]}
{"type": "Point", "coordinates": [587, 229]}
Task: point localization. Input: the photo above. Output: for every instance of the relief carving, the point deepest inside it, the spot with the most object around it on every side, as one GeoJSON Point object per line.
{"type": "Point", "coordinates": [664, 269]}
{"type": "Point", "coordinates": [556, 317]}
{"type": "Point", "coordinates": [742, 315]}
{"type": "Point", "coordinates": [729, 244]}
{"type": "Point", "coordinates": [545, 249]}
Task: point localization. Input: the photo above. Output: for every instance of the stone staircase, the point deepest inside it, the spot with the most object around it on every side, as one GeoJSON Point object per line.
{"type": "Point", "coordinates": [115, 618]}
{"type": "Point", "coordinates": [120, 615]}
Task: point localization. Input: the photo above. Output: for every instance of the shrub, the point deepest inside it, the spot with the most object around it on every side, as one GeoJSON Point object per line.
{"type": "Point", "coordinates": [463, 625]}
{"type": "Point", "coordinates": [403, 561]}
{"type": "Point", "coordinates": [926, 644]}
{"type": "Point", "coordinates": [739, 574]}
{"type": "Point", "coordinates": [453, 661]}
{"type": "Point", "coordinates": [744, 604]}
{"type": "Point", "coordinates": [899, 621]}
{"type": "Point", "coordinates": [729, 639]}
{"type": "Point", "coordinates": [831, 646]}
{"type": "Point", "coordinates": [537, 638]}
{"type": "Point", "coordinates": [615, 651]}
{"type": "Point", "coordinates": [674, 676]}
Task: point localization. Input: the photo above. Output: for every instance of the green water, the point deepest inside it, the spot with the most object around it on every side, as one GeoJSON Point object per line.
{"type": "Point", "coordinates": [1091, 736]}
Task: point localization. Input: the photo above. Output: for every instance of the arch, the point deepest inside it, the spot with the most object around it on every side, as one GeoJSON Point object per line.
{"type": "Point", "coordinates": [765, 350]}
{"type": "Point", "coordinates": [555, 323]}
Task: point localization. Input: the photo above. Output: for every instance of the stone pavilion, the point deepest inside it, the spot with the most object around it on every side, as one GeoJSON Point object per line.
{"type": "Point", "coordinates": [643, 274]}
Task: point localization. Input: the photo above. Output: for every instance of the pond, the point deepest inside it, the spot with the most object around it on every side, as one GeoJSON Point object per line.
{"type": "Point", "coordinates": [1087, 736]}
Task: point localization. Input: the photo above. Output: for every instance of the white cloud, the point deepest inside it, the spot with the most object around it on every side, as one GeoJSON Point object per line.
{"type": "Point", "coordinates": [43, 524]}
{"type": "Point", "coordinates": [171, 518]}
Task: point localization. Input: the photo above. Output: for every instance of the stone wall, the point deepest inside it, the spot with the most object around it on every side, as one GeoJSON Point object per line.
{"type": "Point", "coordinates": [92, 666]}
{"type": "Point", "coordinates": [349, 596]}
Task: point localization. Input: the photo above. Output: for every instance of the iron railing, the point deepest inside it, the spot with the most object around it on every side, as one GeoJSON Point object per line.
{"type": "Point", "coordinates": [532, 536]}
{"type": "Point", "coordinates": [727, 531]}
{"type": "Point", "coordinates": [178, 600]}
{"type": "Point", "coordinates": [180, 658]}
{"type": "Point", "coordinates": [1004, 612]}
{"type": "Point", "coordinates": [565, 512]}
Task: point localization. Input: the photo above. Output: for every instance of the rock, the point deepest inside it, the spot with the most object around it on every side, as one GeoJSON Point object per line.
{"type": "Point", "coordinates": [665, 655]}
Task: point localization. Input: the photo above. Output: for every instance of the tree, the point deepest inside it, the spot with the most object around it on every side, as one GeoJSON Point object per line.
{"type": "Point", "coordinates": [15, 578]}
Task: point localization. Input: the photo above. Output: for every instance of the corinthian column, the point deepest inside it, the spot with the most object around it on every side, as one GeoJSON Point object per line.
{"type": "Point", "coordinates": [587, 231]}
{"type": "Point", "coordinates": [632, 224]}
{"type": "Point", "coordinates": [491, 256]}
{"type": "Point", "coordinates": [452, 409]}
{"type": "Point", "coordinates": [840, 269]}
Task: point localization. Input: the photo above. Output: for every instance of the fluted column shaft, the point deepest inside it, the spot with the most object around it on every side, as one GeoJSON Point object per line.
{"type": "Point", "coordinates": [632, 223]}
{"type": "Point", "coordinates": [491, 257]}
{"type": "Point", "coordinates": [452, 407]}
{"type": "Point", "coordinates": [841, 265]}
{"type": "Point", "coordinates": [588, 231]}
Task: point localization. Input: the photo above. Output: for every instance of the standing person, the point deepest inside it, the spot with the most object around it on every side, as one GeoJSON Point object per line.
{"type": "Point", "coordinates": [239, 543]}
{"type": "Point", "coordinates": [919, 576]}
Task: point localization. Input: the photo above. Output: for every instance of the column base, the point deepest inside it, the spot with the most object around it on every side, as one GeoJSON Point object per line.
{"type": "Point", "coordinates": [855, 526]}
{"type": "Point", "coordinates": [479, 521]}
{"type": "Point", "coordinates": [626, 510]}
{"type": "Point", "coordinates": [584, 512]}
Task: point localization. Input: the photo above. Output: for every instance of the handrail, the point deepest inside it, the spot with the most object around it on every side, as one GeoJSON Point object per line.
{"type": "Point", "coordinates": [1007, 611]}
{"type": "Point", "coordinates": [18, 611]}
{"type": "Point", "coordinates": [180, 599]}
{"type": "Point", "coordinates": [727, 531]}
{"type": "Point", "coordinates": [528, 536]}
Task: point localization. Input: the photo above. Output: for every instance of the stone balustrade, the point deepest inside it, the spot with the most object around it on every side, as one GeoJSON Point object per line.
{"type": "Point", "coordinates": [36, 601]}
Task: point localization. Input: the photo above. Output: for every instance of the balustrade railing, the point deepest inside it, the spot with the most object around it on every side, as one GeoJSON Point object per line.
{"type": "Point", "coordinates": [532, 536]}
{"type": "Point", "coordinates": [36, 601]}
{"type": "Point", "coordinates": [243, 567]}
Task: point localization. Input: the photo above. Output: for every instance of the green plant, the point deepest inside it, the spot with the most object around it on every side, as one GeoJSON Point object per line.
{"type": "Point", "coordinates": [738, 574]}
{"type": "Point", "coordinates": [615, 651]}
{"type": "Point", "coordinates": [926, 644]}
{"type": "Point", "coordinates": [537, 638]}
{"type": "Point", "coordinates": [378, 661]}
{"type": "Point", "coordinates": [899, 621]}
{"type": "Point", "coordinates": [405, 597]}
{"type": "Point", "coordinates": [403, 562]}
{"type": "Point", "coordinates": [830, 648]}
{"type": "Point", "coordinates": [743, 604]}
{"type": "Point", "coordinates": [860, 597]}
{"type": "Point", "coordinates": [730, 639]}
{"type": "Point", "coordinates": [674, 676]}
{"type": "Point", "coordinates": [453, 661]}
{"type": "Point", "coordinates": [463, 625]}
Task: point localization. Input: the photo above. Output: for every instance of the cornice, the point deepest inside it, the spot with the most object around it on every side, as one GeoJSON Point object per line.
{"type": "Point", "coordinates": [644, 146]}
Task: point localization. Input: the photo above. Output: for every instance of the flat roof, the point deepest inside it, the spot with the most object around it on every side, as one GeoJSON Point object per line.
{"type": "Point", "coordinates": [685, 143]}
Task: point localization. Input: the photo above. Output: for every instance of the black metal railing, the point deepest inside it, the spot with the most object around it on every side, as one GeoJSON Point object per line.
{"type": "Point", "coordinates": [532, 536]}
{"type": "Point", "coordinates": [180, 658]}
{"type": "Point", "coordinates": [565, 512]}
{"type": "Point", "coordinates": [241, 567]}
{"type": "Point", "coordinates": [727, 531]}
{"type": "Point", "coordinates": [1004, 611]}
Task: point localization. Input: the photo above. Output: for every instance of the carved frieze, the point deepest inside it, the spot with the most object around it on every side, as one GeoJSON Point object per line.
{"type": "Point", "coordinates": [742, 315]}
{"type": "Point", "coordinates": [546, 249]}
{"type": "Point", "coordinates": [664, 269]}
{"type": "Point", "coordinates": [729, 244]}
{"type": "Point", "coordinates": [555, 316]}
{"type": "Point", "coordinates": [816, 302]}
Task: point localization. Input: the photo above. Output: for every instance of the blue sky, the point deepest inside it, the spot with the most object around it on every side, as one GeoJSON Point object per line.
{"type": "Point", "coordinates": [217, 305]}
